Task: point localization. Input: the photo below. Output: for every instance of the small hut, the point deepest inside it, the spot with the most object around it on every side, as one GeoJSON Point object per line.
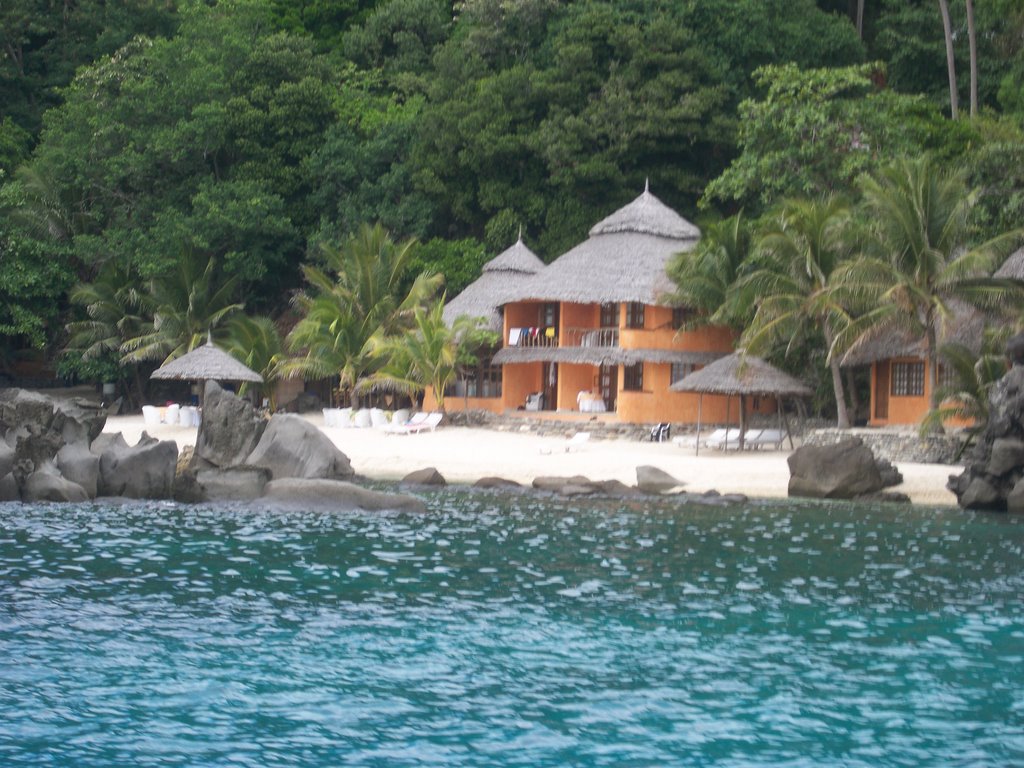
{"type": "Point", "coordinates": [741, 375]}
{"type": "Point", "coordinates": [204, 363]}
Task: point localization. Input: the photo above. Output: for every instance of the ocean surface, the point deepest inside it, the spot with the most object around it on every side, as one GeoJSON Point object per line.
{"type": "Point", "coordinates": [505, 630]}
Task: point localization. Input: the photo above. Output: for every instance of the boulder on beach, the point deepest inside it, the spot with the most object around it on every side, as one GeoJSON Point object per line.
{"type": "Point", "coordinates": [844, 470]}
{"type": "Point", "coordinates": [292, 447]}
{"type": "Point", "coordinates": [336, 495]}
{"type": "Point", "coordinates": [496, 482]}
{"type": "Point", "coordinates": [426, 476]}
{"type": "Point", "coordinates": [653, 480]}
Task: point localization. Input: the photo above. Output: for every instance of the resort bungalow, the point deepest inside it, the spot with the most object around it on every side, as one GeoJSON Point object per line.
{"type": "Point", "coordinates": [593, 331]}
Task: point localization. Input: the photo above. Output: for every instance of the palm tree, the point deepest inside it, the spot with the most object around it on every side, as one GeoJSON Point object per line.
{"type": "Point", "coordinates": [356, 299]}
{"type": "Point", "coordinates": [256, 342]}
{"type": "Point", "coordinates": [187, 305]}
{"type": "Point", "coordinates": [947, 29]}
{"type": "Point", "coordinates": [704, 276]}
{"type": "Point", "coordinates": [116, 311]}
{"type": "Point", "coordinates": [918, 260]}
{"type": "Point", "coordinates": [427, 355]}
{"type": "Point", "coordinates": [798, 253]}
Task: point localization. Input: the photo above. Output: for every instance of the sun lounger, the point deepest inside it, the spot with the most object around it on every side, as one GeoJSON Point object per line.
{"type": "Point", "coordinates": [764, 438]}
{"type": "Point", "coordinates": [723, 439]}
{"type": "Point", "coordinates": [418, 423]}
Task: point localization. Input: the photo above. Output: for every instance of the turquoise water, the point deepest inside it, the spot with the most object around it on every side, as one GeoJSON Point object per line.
{"type": "Point", "coordinates": [511, 631]}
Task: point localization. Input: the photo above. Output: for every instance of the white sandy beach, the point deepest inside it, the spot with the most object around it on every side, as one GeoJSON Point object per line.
{"type": "Point", "coordinates": [463, 455]}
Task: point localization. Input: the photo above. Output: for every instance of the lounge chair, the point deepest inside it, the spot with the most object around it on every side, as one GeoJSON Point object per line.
{"type": "Point", "coordinates": [765, 438]}
{"type": "Point", "coordinates": [723, 439]}
{"type": "Point", "coordinates": [661, 432]}
{"type": "Point", "coordinates": [420, 422]}
{"type": "Point", "coordinates": [576, 441]}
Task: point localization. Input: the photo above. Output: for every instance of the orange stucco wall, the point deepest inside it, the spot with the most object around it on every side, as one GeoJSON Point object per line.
{"type": "Point", "coordinates": [573, 379]}
{"type": "Point", "coordinates": [456, 403]}
{"type": "Point", "coordinates": [904, 409]}
{"type": "Point", "coordinates": [578, 316]}
{"type": "Point", "coordinates": [518, 381]}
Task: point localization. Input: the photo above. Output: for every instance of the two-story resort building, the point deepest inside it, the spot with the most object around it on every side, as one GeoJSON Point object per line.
{"type": "Point", "coordinates": [594, 331]}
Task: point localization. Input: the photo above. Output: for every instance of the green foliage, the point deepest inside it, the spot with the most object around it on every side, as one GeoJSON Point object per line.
{"type": "Point", "coordinates": [354, 303]}
{"type": "Point", "coordinates": [965, 394]}
{"type": "Point", "coordinates": [256, 342]}
{"type": "Point", "coordinates": [705, 276]}
{"type": "Point", "coordinates": [460, 261]}
{"type": "Point", "coordinates": [815, 131]}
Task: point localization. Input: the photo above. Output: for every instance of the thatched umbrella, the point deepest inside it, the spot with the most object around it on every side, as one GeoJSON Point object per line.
{"type": "Point", "coordinates": [204, 363]}
{"type": "Point", "coordinates": [742, 375]}
{"type": "Point", "coordinates": [623, 259]}
{"type": "Point", "coordinates": [498, 281]}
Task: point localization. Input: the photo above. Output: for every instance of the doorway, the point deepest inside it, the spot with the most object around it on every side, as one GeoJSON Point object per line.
{"type": "Point", "coordinates": [550, 386]}
{"type": "Point", "coordinates": [608, 376]}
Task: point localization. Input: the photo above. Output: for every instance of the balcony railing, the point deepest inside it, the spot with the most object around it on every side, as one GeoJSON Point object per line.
{"type": "Point", "coordinates": [533, 337]}
{"type": "Point", "coordinates": [590, 337]}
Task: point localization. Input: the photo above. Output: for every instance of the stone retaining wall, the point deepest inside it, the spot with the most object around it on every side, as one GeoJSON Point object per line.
{"type": "Point", "coordinates": [897, 445]}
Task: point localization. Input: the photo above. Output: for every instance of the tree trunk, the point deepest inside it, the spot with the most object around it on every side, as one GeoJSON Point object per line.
{"type": "Point", "coordinates": [842, 415]}
{"type": "Point", "coordinates": [860, 19]}
{"type": "Point", "coordinates": [851, 387]}
{"type": "Point", "coordinates": [973, 42]}
{"type": "Point", "coordinates": [950, 60]}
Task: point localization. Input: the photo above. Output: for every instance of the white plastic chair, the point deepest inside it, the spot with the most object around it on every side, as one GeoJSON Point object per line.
{"type": "Point", "coordinates": [361, 418]}
{"type": "Point", "coordinates": [151, 415]}
{"type": "Point", "coordinates": [171, 414]}
{"type": "Point", "coordinates": [377, 418]}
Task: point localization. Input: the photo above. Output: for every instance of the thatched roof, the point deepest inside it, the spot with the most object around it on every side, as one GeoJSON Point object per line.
{"type": "Point", "coordinates": [624, 258]}
{"type": "Point", "coordinates": [739, 374]}
{"type": "Point", "coordinates": [600, 356]}
{"type": "Point", "coordinates": [206, 362]}
{"type": "Point", "coordinates": [500, 276]}
{"type": "Point", "coordinates": [967, 327]}
{"type": "Point", "coordinates": [1013, 267]}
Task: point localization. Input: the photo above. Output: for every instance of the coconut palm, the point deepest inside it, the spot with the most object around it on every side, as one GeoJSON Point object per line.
{"type": "Point", "coordinates": [256, 342]}
{"type": "Point", "coordinates": [917, 260]}
{"type": "Point", "coordinates": [425, 356]}
{"type": "Point", "coordinates": [797, 255]}
{"type": "Point", "coordinates": [355, 299]}
{"type": "Point", "coordinates": [115, 312]}
{"type": "Point", "coordinates": [705, 275]}
{"type": "Point", "coordinates": [188, 305]}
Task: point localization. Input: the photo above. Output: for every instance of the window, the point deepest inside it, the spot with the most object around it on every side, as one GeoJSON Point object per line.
{"type": "Point", "coordinates": [634, 315]}
{"type": "Point", "coordinates": [549, 316]}
{"type": "Point", "coordinates": [681, 316]}
{"type": "Point", "coordinates": [482, 380]}
{"type": "Point", "coordinates": [609, 315]}
{"type": "Point", "coordinates": [633, 378]}
{"type": "Point", "coordinates": [681, 370]}
{"type": "Point", "coordinates": [907, 379]}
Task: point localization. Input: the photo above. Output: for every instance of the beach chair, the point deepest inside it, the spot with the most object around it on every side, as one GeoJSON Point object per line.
{"type": "Point", "coordinates": [765, 438]}
{"type": "Point", "coordinates": [429, 423]}
{"type": "Point", "coordinates": [377, 418]}
{"type": "Point", "coordinates": [361, 418]}
{"type": "Point", "coordinates": [723, 439]}
{"type": "Point", "coordinates": [661, 432]}
{"type": "Point", "coordinates": [576, 441]}
{"type": "Point", "coordinates": [402, 428]}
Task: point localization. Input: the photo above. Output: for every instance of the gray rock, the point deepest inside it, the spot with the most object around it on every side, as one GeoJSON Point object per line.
{"type": "Point", "coordinates": [653, 480]}
{"type": "Point", "coordinates": [1006, 455]}
{"type": "Point", "coordinates": [981, 494]}
{"type": "Point", "coordinates": [888, 497]}
{"type": "Point", "coordinates": [47, 484]}
{"type": "Point", "coordinates": [80, 465]}
{"type": "Point", "coordinates": [292, 447]}
{"type": "Point", "coordinates": [142, 471]}
{"type": "Point", "coordinates": [70, 420]}
{"type": "Point", "coordinates": [841, 471]}
{"type": "Point", "coordinates": [9, 490]}
{"type": "Point", "coordinates": [427, 476]}
{"type": "Point", "coordinates": [616, 488]}
{"type": "Point", "coordinates": [888, 473]}
{"type": "Point", "coordinates": [336, 495]}
{"type": "Point", "coordinates": [7, 458]}
{"type": "Point", "coordinates": [1015, 500]}
{"type": "Point", "coordinates": [555, 483]}
{"type": "Point", "coordinates": [495, 482]}
{"type": "Point", "coordinates": [235, 484]}
{"type": "Point", "coordinates": [230, 429]}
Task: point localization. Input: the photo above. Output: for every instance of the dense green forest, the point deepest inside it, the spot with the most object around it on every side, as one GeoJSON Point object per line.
{"type": "Point", "coordinates": [152, 151]}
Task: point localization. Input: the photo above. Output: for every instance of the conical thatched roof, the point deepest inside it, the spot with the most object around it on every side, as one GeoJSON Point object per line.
{"type": "Point", "coordinates": [500, 276]}
{"type": "Point", "coordinates": [206, 362]}
{"type": "Point", "coordinates": [624, 258]}
{"type": "Point", "coordinates": [738, 374]}
{"type": "Point", "coordinates": [967, 327]}
{"type": "Point", "coordinates": [1013, 267]}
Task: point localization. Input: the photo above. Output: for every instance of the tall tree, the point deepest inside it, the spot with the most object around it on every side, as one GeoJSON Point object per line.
{"type": "Point", "coordinates": [799, 253]}
{"type": "Point", "coordinates": [972, 39]}
{"type": "Point", "coordinates": [920, 262]}
{"type": "Point", "coordinates": [947, 29]}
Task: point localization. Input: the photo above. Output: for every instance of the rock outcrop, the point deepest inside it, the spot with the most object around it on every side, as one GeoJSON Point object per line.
{"type": "Point", "coordinates": [426, 476]}
{"type": "Point", "coordinates": [845, 470]}
{"type": "Point", "coordinates": [47, 484]}
{"type": "Point", "coordinates": [230, 430]}
{"type": "Point", "coordinates": [336, 495]}
{"type": "Point", "coordinates": [142, 471]}
{"type": "Point", "coordinates": [653, 480]}
{"type": "Point", "coordinates": [993, 478]}
{"type": "Point", "coordinates": [292, 447]}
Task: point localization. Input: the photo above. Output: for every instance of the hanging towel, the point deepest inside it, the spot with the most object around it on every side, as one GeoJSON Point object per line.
{"type": "Point", "coordinates": [549, 333]}
{"type": "Point", "coordinates": [513, 336]}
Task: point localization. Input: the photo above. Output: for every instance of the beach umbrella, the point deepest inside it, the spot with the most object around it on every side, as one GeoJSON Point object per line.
{"type": "Point", "coordinates": [205, 363]}
{"type": "Point", "coordinates": [740, 374]}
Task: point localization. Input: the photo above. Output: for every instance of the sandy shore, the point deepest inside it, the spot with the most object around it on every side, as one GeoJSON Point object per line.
{"type": "Point", "coordinates": [464, 455]}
